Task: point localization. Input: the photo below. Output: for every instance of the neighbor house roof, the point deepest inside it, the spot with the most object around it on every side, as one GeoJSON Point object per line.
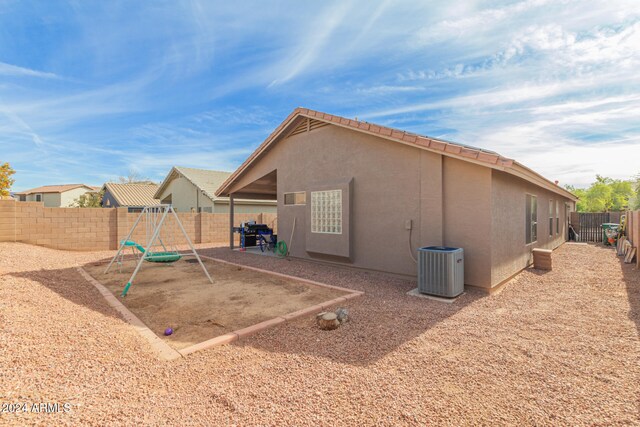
{"type": "Point", "coordinates": [55, 189]}
{"type": "Point", "coordinates": [464, 152]}
{"type": "Point", "coordinates": [206, 180]}
{"type": "Point", "coordinates": [133, 194]}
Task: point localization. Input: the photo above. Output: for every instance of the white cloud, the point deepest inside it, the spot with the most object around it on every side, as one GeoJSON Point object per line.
{"type": "Point", "coordinates": [14, 70]}
{"type": "Point", "coordinates": [310, 47]}
{"type": "Point", "coordinates": [188, 82]}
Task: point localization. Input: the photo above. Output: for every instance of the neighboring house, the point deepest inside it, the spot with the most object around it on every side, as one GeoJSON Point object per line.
{"type": "Point", "coordinates": [193, 190]}
{"type": "Point", "coordinates": [366, 195]}
{"type": "Point", "coordinates": [134, 196]}
{"type": "Point", "coordinates": [55, 196]}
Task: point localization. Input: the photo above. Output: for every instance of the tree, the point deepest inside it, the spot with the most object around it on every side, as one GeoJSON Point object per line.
{"type": "Point", "coordinates": [5, 179]}
{"type": "Point", "coordinates": [132, 177]}
{"type": "Point", "coordinates": [634, 202]}
{"type": "Point", "coordinates": [605, 195]}
{"type": "Point", "coordinates": [581, 194]}
{"type": "Point", "coordinates": [89, 200]}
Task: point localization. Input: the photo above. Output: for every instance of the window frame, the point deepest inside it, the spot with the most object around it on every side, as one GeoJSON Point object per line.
{"type": "Point", "coordinates": [531, 219]}
{"type": "Point", "coordinates": [551, 218]}
{"type": "Point", "coordinates": [557, 217]}
{"type": "Point", "coordinates": [296, 201]}
{"type": "Point", "coordinates": [38, 197]}
{"type": "Point", "coordinates": [322, 225]}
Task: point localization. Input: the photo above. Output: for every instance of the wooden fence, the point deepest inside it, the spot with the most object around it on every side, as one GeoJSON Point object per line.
{"type": "Point", "coordinates": [633, 231]}
{"type": "Point", "coordinates": [588, 225]}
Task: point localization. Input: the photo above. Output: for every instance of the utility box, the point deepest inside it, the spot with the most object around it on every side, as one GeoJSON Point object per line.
{"type": "Point", "coordinates": [542, 259]}
{"type": "Point", "coordinates": [441, 271]}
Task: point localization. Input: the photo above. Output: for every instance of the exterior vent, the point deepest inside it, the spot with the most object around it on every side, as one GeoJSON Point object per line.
{"type": "Point", "coordinates": [441, 271]}
{"type": "Point", "coordinates": [307, 126]}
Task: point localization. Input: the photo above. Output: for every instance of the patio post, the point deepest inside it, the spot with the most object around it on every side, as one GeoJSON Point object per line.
{"type": "Point", "coordinates": [231, 240]}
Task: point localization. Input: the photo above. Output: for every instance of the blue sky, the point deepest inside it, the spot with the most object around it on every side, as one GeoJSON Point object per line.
{"type": "Point", "coordinates": [90, 90]}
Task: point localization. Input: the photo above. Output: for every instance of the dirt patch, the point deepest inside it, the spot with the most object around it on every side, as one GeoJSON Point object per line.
{"type": "Point", "coordinates": [178, 295]}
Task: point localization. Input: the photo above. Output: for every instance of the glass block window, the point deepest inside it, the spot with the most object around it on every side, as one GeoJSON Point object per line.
{"type": "Point", "coordinates": [326, 212]}
{"type": "Point", "coordinates": [299, 198]}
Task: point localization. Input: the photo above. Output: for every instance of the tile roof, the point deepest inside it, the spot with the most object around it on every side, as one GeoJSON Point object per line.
{"type": "Point", "coordinates": [461, 151]}
{"type": "Point", "coordinates": [133, 194]}
{"type": "Point", "coordinates": [55, 188]}
{"type": "Point", "coordinates": [206, 180]}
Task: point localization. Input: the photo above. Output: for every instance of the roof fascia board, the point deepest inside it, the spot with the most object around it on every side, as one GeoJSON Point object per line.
{"type": "Point", "coordinates": [508, 166]}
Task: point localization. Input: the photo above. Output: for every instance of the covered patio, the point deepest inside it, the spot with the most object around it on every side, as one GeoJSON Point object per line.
{"type": "Point", "coordinates": [263, 188]}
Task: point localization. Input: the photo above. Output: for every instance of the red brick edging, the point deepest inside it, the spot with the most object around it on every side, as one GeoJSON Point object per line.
{"type": "Point", "coordinates": [253, 329]}
{"type": "Point", "coordinates": [166, 352]}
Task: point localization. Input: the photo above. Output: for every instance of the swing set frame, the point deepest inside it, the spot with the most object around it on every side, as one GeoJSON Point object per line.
{"type": "Point", "coordinates": [155, 216]}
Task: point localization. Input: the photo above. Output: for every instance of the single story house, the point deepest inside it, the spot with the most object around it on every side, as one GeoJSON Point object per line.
{"type": "Point", "coordinates": [55, 196]}
{"type": "Point", "coordinates": [134, 196]}
{"type": "Point", "coordinates": [365, 195]}
{"type": "Point", "coordinates": [193, 190]}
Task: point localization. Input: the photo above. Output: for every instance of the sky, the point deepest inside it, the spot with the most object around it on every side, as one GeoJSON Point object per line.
{"type": "Point", "coordinates": [90, 90]}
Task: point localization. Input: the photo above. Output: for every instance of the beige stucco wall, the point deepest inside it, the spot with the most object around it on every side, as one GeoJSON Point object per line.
{"type": "Point", "coordinates": [58, 200]}
{"type": "Point", "coordinates": [467, 217]}
{"type": "Point", "coordinates": [185, 197]}
{"type": "Point", "coordinates": [392, 184]}
{"type": "Point", "coordinates": [509, 250]}
{"type": "Point", "coordinates": [449, 202]}
{"type": "Point", "coordinates": [68, 197]}
{"type": "Point", "coordinates": [50, 200]}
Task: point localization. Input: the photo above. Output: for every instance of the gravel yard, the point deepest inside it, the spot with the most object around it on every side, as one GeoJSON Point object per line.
{"type": "Point", "coordinates": [553, 348]}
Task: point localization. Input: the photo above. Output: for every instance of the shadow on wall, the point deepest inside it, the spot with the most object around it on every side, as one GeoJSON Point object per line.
{"type": "Point", "coordinates": [631, 276]}
{"type": "Point", "coordinates": [382, 320]}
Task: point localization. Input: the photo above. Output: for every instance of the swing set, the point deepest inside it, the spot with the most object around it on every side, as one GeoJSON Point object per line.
{"type": "Point", "coordinates": [155, 250]}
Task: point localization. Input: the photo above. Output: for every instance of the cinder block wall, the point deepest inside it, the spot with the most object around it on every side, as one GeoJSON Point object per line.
{"type": "Point", "coordinates": [102, 229]}
{"type": "Point", "coordinates": [59, 228]}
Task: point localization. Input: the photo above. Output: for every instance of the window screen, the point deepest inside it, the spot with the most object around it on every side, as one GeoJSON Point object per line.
{"type": "Point", "coordinates": [557, 217]}
{"type": "Point", "coordinates": [326, 212]}
{"type": "Point", "coordinates": [298, 198]}
{"type": "Point", "coordinates": [38, 197]}
{"type": "Point", "coordinates": [550, 217]}
{"type": "Point", "coordinates": [531, 212]}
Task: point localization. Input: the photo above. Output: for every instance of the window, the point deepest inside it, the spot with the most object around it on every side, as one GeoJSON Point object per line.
{"type": "Point", "coordinates": [557, 217]}
{"type": "Point", "coordinates": [299, 198]}
{"type": "Point", "coordinates": [531, 212]}
{"type": "Point", "coordinates": [326, 212]}
{"type": "Point", "coordinates": [550, 217]}
{"type": "Point", "coordinates": [38, 197]}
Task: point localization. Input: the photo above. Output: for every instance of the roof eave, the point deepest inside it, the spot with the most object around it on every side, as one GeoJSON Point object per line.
{"type": "Point", "coordinates": [445, 148]}
{"type": "Point", "coordinates": [533, 176]}
{"type": "Point", "coordinates": [165, 182]}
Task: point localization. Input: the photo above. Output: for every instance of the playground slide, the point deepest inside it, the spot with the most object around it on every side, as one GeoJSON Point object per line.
{"type": "Point", "coordinates": [137, 246]}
